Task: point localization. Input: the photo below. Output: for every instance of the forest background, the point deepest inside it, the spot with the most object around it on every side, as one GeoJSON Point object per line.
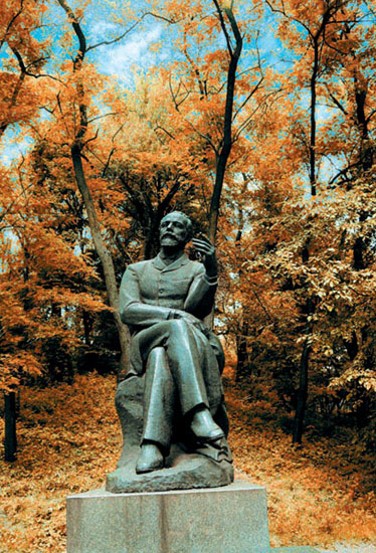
{"type": "Point", "coordinates": [254, 117]}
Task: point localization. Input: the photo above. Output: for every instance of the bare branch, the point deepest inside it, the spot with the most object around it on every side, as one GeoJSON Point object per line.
{"type": "Point", "coordinates": [158, 127]}
{"type": "Point", "coordinates": [77, 29]}
{"type": "Point", "coordinates": [206, 137]}
{"type": "Point", "coordinates": [25, 68]}
{"type": "Point", "coordinates": [235, 30]}
{"type": "Point", "coordinates": [335, 100]}
{"type": "Point", "coordinates": [174, 95]}
{"type": "Point", "coordinates": [96, 156]}
{"type": "Point", "coordinates": [251, 116]}
{"type": "Point", "coordinates": [11, 22]}
{"type": "Point", "coordinates": [60, 107]}
{"type": "Point", "coordinates": [91, 139]}
{"type": "Point", "coordinates": [7, 210]}
{"type": "Point", "coordinates": [223, 26]}
{"type": "Point", "coordinates": [16, 91]}
{"type": "Point", "coordinates": [344, 172]}
{"type": "Point", "coordinates": [196, 70]}
{"type": "Point", "coordinates": [107, 164]}
{"type": "Point", "coordinates": [283, 12]}
{"type": "Point", "coordinates": [118, 38]}
{"type": "Point", "coordinates": [171, 193]}
{"type": "Point", "coordinates": [372, 113]}
{"type": "Point", "coordinates": [117, 132]}
{"type": "Point", "coordinates": [157, 16]}
{"type": "Point", "coordinates": [102, 116]}
{"type": "Point", "coordinates": [246, 100]}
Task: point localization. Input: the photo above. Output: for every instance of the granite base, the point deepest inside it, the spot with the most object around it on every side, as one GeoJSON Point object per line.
{"type": "Point", "coordinates": [231, 519]}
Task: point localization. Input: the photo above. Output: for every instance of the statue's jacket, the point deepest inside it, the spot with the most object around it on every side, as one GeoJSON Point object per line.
{"type": "Point", "coordinates": [150, 291]}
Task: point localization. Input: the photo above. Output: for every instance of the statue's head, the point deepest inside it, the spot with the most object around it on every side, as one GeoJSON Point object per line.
{"type": "Point", "coordinates": [175, 229]}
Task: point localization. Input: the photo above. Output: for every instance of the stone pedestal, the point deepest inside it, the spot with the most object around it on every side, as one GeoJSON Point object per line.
{"type": "Point", "coordinates": [232, 519]}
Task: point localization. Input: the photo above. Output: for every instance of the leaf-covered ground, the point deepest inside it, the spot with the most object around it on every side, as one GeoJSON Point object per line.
{"type": "Point", "coordinates": [69, 438]}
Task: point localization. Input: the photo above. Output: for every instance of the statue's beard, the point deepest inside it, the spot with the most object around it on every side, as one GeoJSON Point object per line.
{"type": "Point", "coordinates": [171, 241]}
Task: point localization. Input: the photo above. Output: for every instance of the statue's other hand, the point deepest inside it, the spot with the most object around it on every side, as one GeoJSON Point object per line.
{"type": "Point", "coordinates": [180, 314]}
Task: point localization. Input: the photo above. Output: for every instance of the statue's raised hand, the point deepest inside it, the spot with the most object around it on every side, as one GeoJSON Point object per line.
{"type": "Point", "coordinates": [206, 251]}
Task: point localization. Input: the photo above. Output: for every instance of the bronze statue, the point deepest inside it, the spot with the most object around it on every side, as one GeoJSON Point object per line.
{"type": "Point", "coordinates": [164, 302]}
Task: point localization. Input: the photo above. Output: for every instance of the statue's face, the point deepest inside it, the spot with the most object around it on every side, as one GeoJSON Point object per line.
{"type": "Point", "coordinates": [173, 231]}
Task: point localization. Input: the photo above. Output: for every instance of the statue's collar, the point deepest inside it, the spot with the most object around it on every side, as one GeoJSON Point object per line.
{"type": "Point", "coordinates": [161, 266]}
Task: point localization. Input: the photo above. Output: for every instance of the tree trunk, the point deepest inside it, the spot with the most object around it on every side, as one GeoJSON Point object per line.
{"type": "Point", "coordinates": [302, 395]}
{"type": "Point", "coordinates": [103, 252]}
{"type": "Point", "coordinates": [242, 354]}
{"type": "Point", "coordinates": [10, 415]}
{"type": "Point", "coordinates": [225, 150]}
{"type": "Point", "coordinates": [87, 324]}
{"type": "Point", "coordinates": [312, 144]}
{"type": "Point", "coordinates": [361, 244]}
{"type": "Point", "coordinates": [302, 392]}
{"type": "Point", "coordinates": [105, 257]}
{"type": "Point", "coordinates": [366, 146]}
{"type": "Point", "coordinates": [223, 154]}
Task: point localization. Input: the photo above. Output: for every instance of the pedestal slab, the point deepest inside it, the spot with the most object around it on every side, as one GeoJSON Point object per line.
{"type": "Point", "coordinates": [231, 519]}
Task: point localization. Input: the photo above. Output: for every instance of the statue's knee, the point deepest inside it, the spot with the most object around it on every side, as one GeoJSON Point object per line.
{"type": "Point", "coordinates": [179, 327]}
{"type": "Point", "coordinates": [157, 359]}
{"type": "Point", "coordinates": [157, 354]}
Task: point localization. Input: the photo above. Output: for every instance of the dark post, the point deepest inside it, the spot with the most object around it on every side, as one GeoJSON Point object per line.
{"type": "Point", "coordinates": [10, 439]}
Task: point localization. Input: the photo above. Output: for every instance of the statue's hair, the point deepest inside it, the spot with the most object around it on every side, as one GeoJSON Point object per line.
{"type": "Point", "coordinates": [187, 222]}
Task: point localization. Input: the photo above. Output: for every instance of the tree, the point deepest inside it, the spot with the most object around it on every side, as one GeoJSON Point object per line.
{"type": "Point", "coordinates": [320, 25]}
{"type": "Point", "coordinates": [77, 147]}
{"type": "Point", "coordinates": [17, 104]}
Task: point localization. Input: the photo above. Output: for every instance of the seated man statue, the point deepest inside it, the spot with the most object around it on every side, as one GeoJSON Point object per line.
{"type": "Point", "coordinates": [164, 302]}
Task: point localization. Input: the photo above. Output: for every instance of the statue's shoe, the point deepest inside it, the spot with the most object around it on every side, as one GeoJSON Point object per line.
{"type": "Point", "coordinates": [149, 459]}
{"type": "Point", "coordinates": [204, 427]}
